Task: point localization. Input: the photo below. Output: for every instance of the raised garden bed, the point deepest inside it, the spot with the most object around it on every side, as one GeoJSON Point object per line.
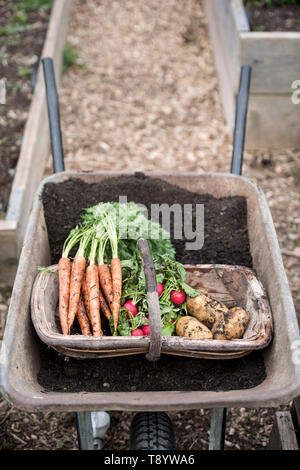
{"type": "Point", "coordinates": [42, 379]}
{"type": "Point", "coordinates": [29, 33]}
{"type": "Point", "coordinates": [273, 54]}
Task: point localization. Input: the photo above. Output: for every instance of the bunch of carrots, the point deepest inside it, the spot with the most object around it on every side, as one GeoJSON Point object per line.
{"type": "Point", "coordinates": [88, 286]}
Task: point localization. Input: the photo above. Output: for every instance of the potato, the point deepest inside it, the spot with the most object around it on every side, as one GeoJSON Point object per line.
{"type": "Point", "coordinates": [190, 327]}
{"type": "Point", "coordinates": [205, 309]}
{"type": "Point", "coordinates": [235, 323]}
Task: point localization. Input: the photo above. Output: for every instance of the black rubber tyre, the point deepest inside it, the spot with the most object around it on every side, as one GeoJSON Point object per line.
{"type": "Point", "coordinates": [152, 431]}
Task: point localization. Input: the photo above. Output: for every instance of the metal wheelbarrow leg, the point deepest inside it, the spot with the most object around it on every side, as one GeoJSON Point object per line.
{"type": "Point", "coordinates": [92, 426]}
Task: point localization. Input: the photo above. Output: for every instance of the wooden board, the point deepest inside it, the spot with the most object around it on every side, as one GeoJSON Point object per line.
{"type": "Point", "coordinates": [8, 251]}
{"type": "Point", "coordinates": [274, 58]}
{"type": "Point", "coordinates": [283, 435]}
{"type": "Point", "coordinates": [34, 149]}
{"type": "Point", "coordinates": [273, 120]}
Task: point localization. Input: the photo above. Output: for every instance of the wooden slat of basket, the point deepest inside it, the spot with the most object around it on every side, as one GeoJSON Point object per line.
{"type": "Point", "coordinates": [208, 355]}
{"type": "Point", "coordinates": [98, 354]}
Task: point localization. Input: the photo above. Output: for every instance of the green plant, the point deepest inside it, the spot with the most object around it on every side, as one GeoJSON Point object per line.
{"type": "Point", "coordinates": [26, 5]}
{"type": "Point", "coordinates": [21, 17]}
{"type": "Point", "coordinates": [13, 28]}
{"type": "Point", "coordinates": [14, 88]}
{"type": "Point", "coordinates": [24, 71]}
{"type": "Point", "coordinates": [70, 56]}
{"type": "Point", "coordinates": [3, 56]}
{"type": "Point", "coordinates": [14, 39]}
{"type": "Point", "coordinates": [260, 28]}
{"type": "Point", "coordinates": [269, 3]}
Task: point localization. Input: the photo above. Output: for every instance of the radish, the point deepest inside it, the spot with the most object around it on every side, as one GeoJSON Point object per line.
{"type": "Point", "coordinates": [146, 330]}
{"type": "Point", "coordinates": [172, 320]}
{"type": "Point", "coordinates": [132, 308]}
{"type": "Point", "coordinates": [177, 297]}
{"type": "Point", "coordinates": [160, 289]}
{"type": "Point", "coordinates": [137, 332]}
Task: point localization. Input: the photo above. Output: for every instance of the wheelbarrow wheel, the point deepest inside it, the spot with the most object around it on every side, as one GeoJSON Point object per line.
{"type": "Point", "coordinates": [152, 431]}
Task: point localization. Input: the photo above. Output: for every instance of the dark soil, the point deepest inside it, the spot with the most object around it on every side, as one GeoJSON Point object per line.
{"type": "Point", "coordinates": [275, 17]}
{"type": "Point", "coordinates": [20, 49]}
{"type": "Point", "coordinates": [225, 230]}
{"type": "Point", "coordinates": [136, 373]}
{"type": "Point", "coordinates": [226, 241]}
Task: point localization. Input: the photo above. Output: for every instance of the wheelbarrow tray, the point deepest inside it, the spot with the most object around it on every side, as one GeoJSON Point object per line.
{"type": "Point", "coordinates": [20, 353]}
{"type": "Point", "coordinates": [249, 294]}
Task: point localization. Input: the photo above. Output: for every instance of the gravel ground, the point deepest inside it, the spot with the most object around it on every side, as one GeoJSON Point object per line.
{"type": "Point", "coordinates": [144, 95]}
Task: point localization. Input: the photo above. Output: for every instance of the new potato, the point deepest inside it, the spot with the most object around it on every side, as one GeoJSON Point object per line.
{"type": "Point", "coordinates": [206, 310]}
{"type": "Point", "coordinates": [235, 323]}
{"type": "Point", "coordinates": [222, 322]}
{"type": "Point", "coordinates": [190, 327]}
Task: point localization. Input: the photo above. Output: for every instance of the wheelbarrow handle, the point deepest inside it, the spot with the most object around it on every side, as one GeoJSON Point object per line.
{"type": "Point", "coordinates": [53, 114]}
{"type": "Point", "coordinates": [240, 120]}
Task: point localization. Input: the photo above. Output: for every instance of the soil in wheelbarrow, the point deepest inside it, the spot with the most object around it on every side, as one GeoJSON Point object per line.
{"type": "Point", "coordinates": [226, 242]}
{"type": "Point", "coordinates": [225, 219]}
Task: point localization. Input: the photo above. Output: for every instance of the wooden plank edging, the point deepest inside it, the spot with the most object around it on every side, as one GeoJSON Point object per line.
{"type": "Point", "coordinates": [283, 435]}
{"type": "Point", "coordinates": [34, 149]}
{"type": "Point", "coordinates": [275, 61]}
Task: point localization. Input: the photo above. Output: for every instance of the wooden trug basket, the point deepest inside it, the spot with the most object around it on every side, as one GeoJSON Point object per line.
{"type": "Point", "coordinates": [232, 285]}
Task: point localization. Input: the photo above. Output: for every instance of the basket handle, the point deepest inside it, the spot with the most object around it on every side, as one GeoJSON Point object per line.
{"type": "Point", "coordinates": [153, 301]}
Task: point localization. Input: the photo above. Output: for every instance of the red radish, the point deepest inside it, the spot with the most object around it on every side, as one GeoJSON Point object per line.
{"type": "Point", "coordinates": [160, 289]}
{"type": "Point", "coordinates": [172, 320]}
{"type": "Point", "coordinates": [146, 329]}
{"type": "Point", "coordinates": [137, 332]}
{"type": "Point", "coordinates": [177, 297]}
{"type": "Point", "coordinates": [131, 308]}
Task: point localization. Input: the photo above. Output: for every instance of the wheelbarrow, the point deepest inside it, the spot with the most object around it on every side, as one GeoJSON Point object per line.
{"type": "Point", "coordinates": [20, 353]}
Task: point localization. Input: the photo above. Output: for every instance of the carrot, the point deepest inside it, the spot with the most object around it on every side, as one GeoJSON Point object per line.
{"type": "Point", "coordinates": [116, 271]}
{"type": "Point", "coordinates": [64, 277]}
{"type": "Point", "coordinates": [77, 275]}
{"type": "Point", "coordinates": [92, 280]}
{"type": "Point", "coordinates": [106, 283]}
{"type": "Point", "coordinates": [104, 273]}
{"type": "Point", "coordinates": [83, 318]}
{"type": "Point", "coordinates": [116, 274]}
{"type": "Point", "coordinates": [85, 297]}
{"type": "Point", "coordinates": [64, 274]}
{"type": "Point", "coordinates": [103, 305]}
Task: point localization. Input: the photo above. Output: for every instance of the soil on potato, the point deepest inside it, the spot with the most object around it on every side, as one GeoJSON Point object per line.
{"type": "Point", "coordinates": [21, 42]}
{"type": "Point", "coordinates": [226, 241]}
{"type": "Point", "coordinates": [275, 17]}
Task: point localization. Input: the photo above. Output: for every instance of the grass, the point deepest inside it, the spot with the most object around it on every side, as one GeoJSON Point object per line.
{"type": "Point", "coordinates": [3, 56]}
{"type": "Point", "coordinates": [19, 20]}
{"type": "Point", "coordinates": [24, 71]}
{"type": "Point", "coordinates": [260, 28]}
{"type": "Point", "coordinates": [25, 5]}
{"type": "Point", "coordinates": [70, 57]}
{"type": "Point", "coordinates": [270, 3]}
